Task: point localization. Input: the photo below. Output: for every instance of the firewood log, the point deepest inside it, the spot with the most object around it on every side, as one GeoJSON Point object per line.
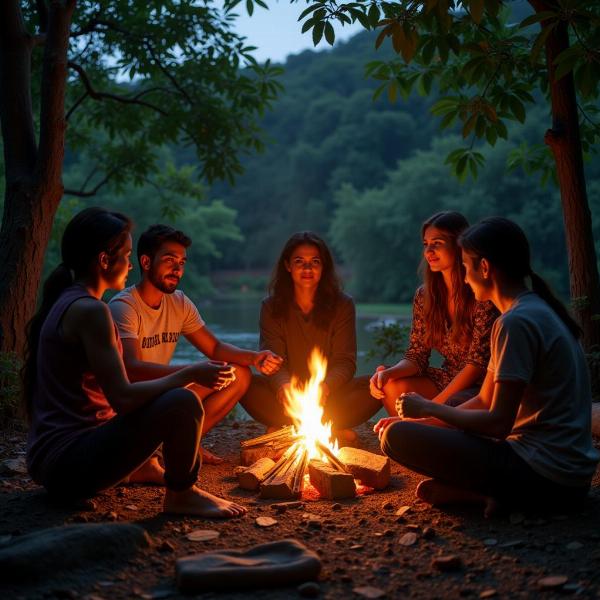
{"type": "Point", "coordinates": [372, 470]}
{"type": "Point", "coordinates": [250, 478]}
{"type": "Point", "coordinates": [330, 482]}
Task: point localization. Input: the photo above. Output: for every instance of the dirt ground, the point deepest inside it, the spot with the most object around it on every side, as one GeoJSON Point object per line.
{"type": "Point", "coordinates": [358, 540]}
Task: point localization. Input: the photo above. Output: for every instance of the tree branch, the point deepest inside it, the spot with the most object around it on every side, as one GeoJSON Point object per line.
{"type": "Point", "coordinates": [77, 103]}
{"type": "Point", "coordinates": [87, 194]}
{"type": "Point", "coordinates": [105, 95]}
{"type": "Point", "coordinates": [168, 75]}
{"type": "Point", "coordinates": [42, 11]}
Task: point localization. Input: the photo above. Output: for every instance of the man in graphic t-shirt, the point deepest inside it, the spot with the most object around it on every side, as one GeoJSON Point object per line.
{"type": "Point", "coordinates": [151, 316]}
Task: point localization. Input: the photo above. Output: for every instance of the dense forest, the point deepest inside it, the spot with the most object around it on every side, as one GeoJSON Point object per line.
{"type": "Point", "coordinates": [363, 173]}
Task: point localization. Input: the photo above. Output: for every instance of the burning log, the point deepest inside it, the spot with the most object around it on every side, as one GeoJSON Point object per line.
{"type": "Point", "coordinates": [286, 478]}
{"type": "Point", "coordinates": [251, 478]}
{"type": "Point", "coordinates": [330, 482]}
{"type": "Point", "coordinates": [372, 470]}
{"type": "Point", "coordinates": [269, 445]}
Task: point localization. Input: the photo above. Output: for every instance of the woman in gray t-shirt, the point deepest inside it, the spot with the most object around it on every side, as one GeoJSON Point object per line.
{"type": "Point", "coordinates": [525, 439]}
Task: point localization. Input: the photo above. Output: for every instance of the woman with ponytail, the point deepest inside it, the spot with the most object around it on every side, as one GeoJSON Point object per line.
{"type": "Point", "coordinates": [90, 428]}
{"type": "Point", "coordinates": [525, 439]}
{"type": "Point", "coordinates": [446, 318]}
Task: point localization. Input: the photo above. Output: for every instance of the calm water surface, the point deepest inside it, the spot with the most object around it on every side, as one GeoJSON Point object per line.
{"type": "Point", "coordinates": [236, 322]}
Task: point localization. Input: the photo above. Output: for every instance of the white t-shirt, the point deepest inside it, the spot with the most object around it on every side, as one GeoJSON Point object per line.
{"type": "Point", "coordinates": [552, 431]}
{"type": "Point", "coordinates": [156, 329]}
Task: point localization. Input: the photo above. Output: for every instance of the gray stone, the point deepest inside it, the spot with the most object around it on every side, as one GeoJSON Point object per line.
{"type": "Point", "coordinates": [46, 552]}
{"type": "Point", "coordinates": [281, 563]}
{"type": "Point", "coordinates": [310, 589]}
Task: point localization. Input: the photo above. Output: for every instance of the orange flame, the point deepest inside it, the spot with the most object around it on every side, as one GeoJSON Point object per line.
{"type": "Point", "coordinates": [305, 406]}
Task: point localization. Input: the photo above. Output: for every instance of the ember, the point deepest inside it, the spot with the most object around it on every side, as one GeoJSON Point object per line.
{"type": "Point", "coordinates": [305, 446]}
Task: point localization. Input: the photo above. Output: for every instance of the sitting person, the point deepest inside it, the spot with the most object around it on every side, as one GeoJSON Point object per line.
{"type": "Point", "coordinates": [89, 426]}
{"type": "Point", "coordinates": [305, 309]}
{"type": "Point", "coordinates": [446, 318]}
{"type": "Point", "coordinates": [525, 439]}
{"type": "Point", "coordinates": [151, 316]}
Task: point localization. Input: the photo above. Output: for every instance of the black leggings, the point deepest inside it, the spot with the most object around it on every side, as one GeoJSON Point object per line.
{"type": "Point", "coordinates": [105, 455]}
{"type": "Point", "coordinates": [349, 406]}
{"type": "Point", "coordinates": [490, 467]}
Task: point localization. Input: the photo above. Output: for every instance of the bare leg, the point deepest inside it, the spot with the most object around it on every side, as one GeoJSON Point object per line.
{"type": "Point", "coordinates": [217, 406]}
{"type": "Point", "coordinates": [393, 388]}
{"type": "Point", "coordinates": [149, 472]}
{"type": "Point", "coordinates": [195, 501]}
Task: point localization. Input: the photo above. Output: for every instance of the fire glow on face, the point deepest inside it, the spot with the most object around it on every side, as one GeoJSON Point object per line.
{"type": "Point", "coordinates": [304, 404]}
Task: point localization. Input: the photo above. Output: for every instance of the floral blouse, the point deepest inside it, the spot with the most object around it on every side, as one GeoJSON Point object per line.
{"type": "Point", "coordinates": [455, 355]}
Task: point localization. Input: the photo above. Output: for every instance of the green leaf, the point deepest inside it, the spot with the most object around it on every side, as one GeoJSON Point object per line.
{"type": "Point", "coordinates": [329, 33]}
{"type": "Point", "coordinates": [393, 91]}
{"type": "Point", "coordinates": [308, 10]}
{"type": "Point", "coordinates": [468, 126]}
{"type": "Point", "coordinates": [491, 135]}
{"type": "Point", "coordinates": [249, 7]}
{"type": "Point", "coordinates": [317, 32]}
{"type": "Point", "coordinates": [307, 25]}
{"type": "Point", "coordinates": [536, 18]}
{"type": "Point", "coordinates": [517, 108]}
{"type": "Point", "coordinates": [373, 15]}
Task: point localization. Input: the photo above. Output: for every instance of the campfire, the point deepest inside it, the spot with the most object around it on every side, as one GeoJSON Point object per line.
{"type": "Point", "coordinates": [279, 463]}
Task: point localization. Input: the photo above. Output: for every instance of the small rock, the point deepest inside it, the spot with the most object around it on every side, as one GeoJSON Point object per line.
{"type": "Point", "coordinates": [552, 582]}
{"type": "Point", "coordinates": [13, 466]}
{"type": "Point", "coordinates": [402, 511]}
{"type": "Point", "coordinates": [336, 506]}
{"type": "Point", "coordinates": [283, 506]}
{"type": "Point", "coordinates": [388, 533]}
{"type": "Point", "coordinates": [413, 527]}
{"type": "Point", "coordinates": [449, 562]}
{"type": "Point", "coordinates": [387, 505]}
{"type": "Point", "coordinates": [111, 516]}
{"type": "Point", "coordinates": [574, 546]}
{"type": "Point", "coordinates": [368, 591]}
{"type": "Point", "coordinates": [310, 589]}
{"type": "Point", "coordinates": [339, 540]}
{"type": "Point", "coordinates": [131, 507]}
{"type": "Point", "coordinates": [489, 593]}
{"type": "Point", "coordinates": [408, 539]}
{"type": "Point", "coordinates": [512, 544]}
{"type": "Point", "coordinates": [490, 542]}
{"type": "Point", "coordinates": [202, 535]}
{"type": "Point", "coordinates": [314, 524]}
{"type": "Point", "coordinates": [266, 521]}
{"type": "Point", "coordinates": [516, 518]}
{"type": "Point", "coordinates": [356, 547]}
{"type": "Point", "coordinates": [428, 533]}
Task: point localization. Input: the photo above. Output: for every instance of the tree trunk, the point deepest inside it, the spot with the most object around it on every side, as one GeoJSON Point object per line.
{"type": "Point", "coordinates": [565, 143]}
{"type": "Point", "coordinates": [33, 176]}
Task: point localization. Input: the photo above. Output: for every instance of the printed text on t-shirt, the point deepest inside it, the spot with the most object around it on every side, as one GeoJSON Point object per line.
{"type": "Point", "coordinates": [166, 337]}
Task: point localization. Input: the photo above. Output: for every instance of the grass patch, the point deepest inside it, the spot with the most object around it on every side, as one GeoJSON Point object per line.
{"type": "Point", "coordinates": [383, 310]}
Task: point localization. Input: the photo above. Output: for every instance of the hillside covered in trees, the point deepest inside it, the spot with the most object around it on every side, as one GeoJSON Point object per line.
{"type": "Point", "coordinates": [363, 173]}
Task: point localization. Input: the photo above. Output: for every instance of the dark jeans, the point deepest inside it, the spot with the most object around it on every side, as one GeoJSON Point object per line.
{"type": "Point", "coordinates": [105, 455]}
{"type": "Point", "coordinates": [347, 407]}
{"type": "Point", "coordinates": [479, 464]}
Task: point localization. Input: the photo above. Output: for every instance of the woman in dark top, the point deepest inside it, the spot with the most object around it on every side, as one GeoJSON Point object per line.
{"type": "Point", "coordinates": [89, 426]}
{"type": "Point", "coordinates": [446, 318]}
{"type": "Point", "coordinates": [306, 308]}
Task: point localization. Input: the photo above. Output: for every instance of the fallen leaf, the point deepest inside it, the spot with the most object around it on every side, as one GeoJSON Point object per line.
{"type": "Point", "coordinates": [266, 521]}
{"type": "Point", "coordinates": [402, 511]}
{"type": "Point", "coordinates": [202, 535]}
{"type": "Point", "coordinates": [369, 592]}
{"type": "Point", "coordinates": [408, 539]}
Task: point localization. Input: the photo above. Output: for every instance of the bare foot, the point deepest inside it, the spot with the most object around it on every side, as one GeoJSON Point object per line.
{"type": "Point", "coordinates": [437, 493]}
{"type": "Point", "coordinates": [208, 458]}
{"type": "Point", "coordinates": [149, 472]}
{"type": "Point", "coordinates": [346, 437]}
{"type": "Point", "coordinates": [195, 501]}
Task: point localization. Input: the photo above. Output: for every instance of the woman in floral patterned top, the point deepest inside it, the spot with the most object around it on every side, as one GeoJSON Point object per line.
{"type": "Point", "coordinates": [446, 318]}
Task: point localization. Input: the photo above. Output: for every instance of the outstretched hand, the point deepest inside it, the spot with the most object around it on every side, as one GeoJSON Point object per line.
{"type": "Point", "coordinates": [267, 362]}
{"type": "Point", "coordinates": [213, 374]}
{"type": "Point", "coordinates": [412, 406]}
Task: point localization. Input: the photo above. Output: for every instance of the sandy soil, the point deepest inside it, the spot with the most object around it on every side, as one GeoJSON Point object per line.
{"type": "Point", "coordinates": [358, 540]}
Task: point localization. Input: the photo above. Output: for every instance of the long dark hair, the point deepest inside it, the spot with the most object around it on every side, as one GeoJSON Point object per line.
{"type": "Point", "coordinates": [281, 286]}
{"type": "Point", "coordinates": [504, 244]}
{"type": "Point", "coordinates": [88, 233]}
{"type": "Point", "coordinates": [452, 224]}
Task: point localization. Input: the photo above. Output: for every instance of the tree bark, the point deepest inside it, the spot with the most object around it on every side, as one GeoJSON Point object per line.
{"type": "Point", "coordinates": [33, 175]}
{"type": "Point", "coordinates": [565, 142]}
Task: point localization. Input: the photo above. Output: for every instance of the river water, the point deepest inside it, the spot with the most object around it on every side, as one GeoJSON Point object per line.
{"type": "Point", "coordinates": [236, 322]}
